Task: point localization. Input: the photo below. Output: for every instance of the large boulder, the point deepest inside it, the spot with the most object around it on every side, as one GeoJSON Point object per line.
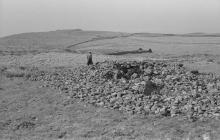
{"type": "Point", "coordinates": [149, 87]}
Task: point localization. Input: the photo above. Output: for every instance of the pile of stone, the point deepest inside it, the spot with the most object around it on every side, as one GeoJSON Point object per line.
{"type": "Point", "coordinates": [147, 88]}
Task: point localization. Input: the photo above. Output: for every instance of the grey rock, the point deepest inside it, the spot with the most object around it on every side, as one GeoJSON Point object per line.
{"type": "Point", "coordinates": [149, 88]}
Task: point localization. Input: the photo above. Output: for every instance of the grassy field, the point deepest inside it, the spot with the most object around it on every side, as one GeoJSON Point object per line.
{"type": "Point", "coordinates": [30, 111]}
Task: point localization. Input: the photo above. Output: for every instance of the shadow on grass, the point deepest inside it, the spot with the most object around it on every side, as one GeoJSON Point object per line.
{"type": "Point", "coordinates": [14, 72]}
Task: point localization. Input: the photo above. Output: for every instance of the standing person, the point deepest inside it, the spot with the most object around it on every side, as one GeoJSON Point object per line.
{"type": "Point", "coordinates": [89, 59]}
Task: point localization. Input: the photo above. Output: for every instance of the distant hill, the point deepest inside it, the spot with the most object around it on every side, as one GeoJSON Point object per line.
{"type": "Point", "coordinates": [202, 34]}
{"type": "Point", "coordinates": [49, 41]}
{"type": "Point", "coordinates": [75, 40]}
{"type": "Point", "coordinates": [186, 35]}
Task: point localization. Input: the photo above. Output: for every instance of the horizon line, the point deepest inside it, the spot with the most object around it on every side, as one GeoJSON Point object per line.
{"type": "Point", "coordinates": [145, 32]}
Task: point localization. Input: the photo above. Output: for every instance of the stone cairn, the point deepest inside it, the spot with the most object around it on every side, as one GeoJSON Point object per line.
{"type": "Point", "coordinates": [145, 88]}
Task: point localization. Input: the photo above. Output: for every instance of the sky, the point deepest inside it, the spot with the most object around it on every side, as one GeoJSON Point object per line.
{"type": "Point", "coordinates": [157, 16]}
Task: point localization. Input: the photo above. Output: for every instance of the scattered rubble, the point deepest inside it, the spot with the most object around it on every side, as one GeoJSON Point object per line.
{"type": "Point", "coordinates": [147, 88]}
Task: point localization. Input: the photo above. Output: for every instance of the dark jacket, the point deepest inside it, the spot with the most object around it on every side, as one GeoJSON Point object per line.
{"type": "Point", "coordinates": [89, 59]}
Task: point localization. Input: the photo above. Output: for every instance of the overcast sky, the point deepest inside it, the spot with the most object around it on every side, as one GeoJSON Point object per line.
{"type": "Point", "coordinates": [163, 16]}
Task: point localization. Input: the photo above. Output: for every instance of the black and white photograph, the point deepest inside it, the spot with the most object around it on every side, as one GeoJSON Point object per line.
{"type": "Point", "coordinates": [109, 69]}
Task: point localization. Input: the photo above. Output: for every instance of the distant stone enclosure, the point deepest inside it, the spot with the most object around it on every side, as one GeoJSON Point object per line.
{"type": "Point", "coordinates": [140, 50]}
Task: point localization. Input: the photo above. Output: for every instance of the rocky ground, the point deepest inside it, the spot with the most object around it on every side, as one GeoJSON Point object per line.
{"type": "Point", "coordinates": [158, 94]}
{"type": "Point", "coordinates": [156, 88]}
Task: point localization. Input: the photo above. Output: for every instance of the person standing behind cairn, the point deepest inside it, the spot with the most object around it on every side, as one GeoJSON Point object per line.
{"type": "Point", "coordinates": [89, 59]}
